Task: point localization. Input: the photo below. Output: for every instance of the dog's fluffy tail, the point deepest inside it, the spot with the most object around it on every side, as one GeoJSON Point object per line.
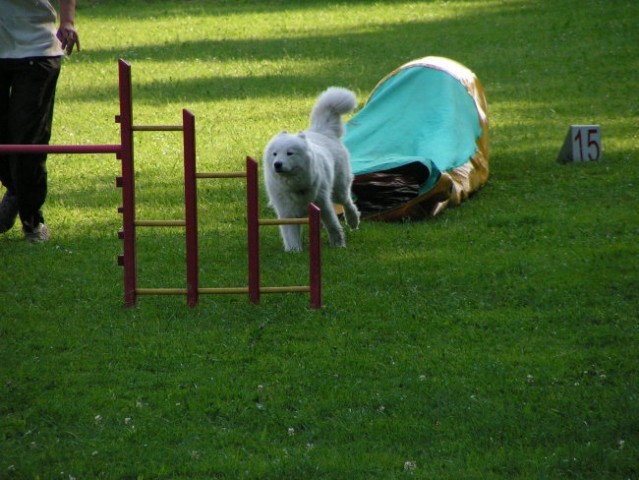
{"type": "Point", "coordinates": [326, 116]}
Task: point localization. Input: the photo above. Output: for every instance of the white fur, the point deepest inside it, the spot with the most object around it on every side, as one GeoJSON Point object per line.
{"type": "Point", "coordinates": [313, 166]}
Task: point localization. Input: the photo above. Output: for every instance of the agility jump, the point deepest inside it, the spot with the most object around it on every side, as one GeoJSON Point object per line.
{"type": "Point", "coordinates": [128, 260]}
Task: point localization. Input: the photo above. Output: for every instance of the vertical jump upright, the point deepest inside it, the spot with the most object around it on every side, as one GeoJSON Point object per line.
{"type": "Point", "coordinates": [126, 181]}
{"type": "Point", "coordinates": [128, 260]}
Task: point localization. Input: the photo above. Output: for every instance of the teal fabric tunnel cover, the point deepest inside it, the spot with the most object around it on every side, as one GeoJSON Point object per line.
{"type": "Point", "coordinates": [418, 121]}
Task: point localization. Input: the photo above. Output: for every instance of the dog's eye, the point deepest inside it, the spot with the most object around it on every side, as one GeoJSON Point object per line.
{"type": "Point", "coordinates": [275, 154]}
{"type": "Point", "coordinates": [288, 154]}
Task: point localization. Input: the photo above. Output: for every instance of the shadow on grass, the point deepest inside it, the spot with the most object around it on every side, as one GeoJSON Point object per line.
{"type": "Point", "coordinates": [122, 8]}
{"type": "Point", "coordinates": [513, 62]}
{"type": "Point", "coordinates": [335, 57]}
{"type": "Point", "coordinates": [340, 57]}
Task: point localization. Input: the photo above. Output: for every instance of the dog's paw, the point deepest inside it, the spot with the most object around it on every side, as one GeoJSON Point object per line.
{"type": "Point", "coordinates": [336, 239]}
{"type": "Point", "coordinates": [353, 219]}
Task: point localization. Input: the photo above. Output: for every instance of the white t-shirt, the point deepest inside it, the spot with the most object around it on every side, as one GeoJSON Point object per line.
{"type": "Point", "coordinates": [28, 29]}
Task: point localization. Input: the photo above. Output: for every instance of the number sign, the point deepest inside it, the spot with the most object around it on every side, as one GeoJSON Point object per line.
{"type": "Point", "coordinates": [582, 144]}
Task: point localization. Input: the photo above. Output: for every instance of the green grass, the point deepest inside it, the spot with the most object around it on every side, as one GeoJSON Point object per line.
{"type": "Point", "coordinates": [496, 341]}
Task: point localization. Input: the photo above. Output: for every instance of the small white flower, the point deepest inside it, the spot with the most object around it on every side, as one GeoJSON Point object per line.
{"type": "Point", "coordinates": [98, 418]}
{"type": "Point", "coordinates": [410, 466]}
{"type": "Point", "coordinates": [291, 431]}
{"type": "Point", "coordinates": [127, 421]}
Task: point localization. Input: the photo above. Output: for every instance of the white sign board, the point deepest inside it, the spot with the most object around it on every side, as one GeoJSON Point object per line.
{"type": "Point", "coordinates": [582, 144]}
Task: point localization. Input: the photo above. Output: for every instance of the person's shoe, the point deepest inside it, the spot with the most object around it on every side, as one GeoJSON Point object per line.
{"type": "Point", "coordinates": [39, 234]}
{"type": "Point", "coordinates": [8, 212]}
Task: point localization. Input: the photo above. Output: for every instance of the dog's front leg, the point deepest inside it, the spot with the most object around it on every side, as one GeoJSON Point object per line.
{"type": "Point", "coordinates": [331, 222]}
{"type": "Point", "coordinates": [335, 232]}
{"type": "Point", "coordinates": [292, 237]}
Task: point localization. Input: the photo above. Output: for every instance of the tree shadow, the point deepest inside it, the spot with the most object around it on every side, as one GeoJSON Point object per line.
{"type": "Point", "coordinates": [335, 59]}
{"type": "Point", "coordinates": [513, 60]}
{"type": "Point", "coordinates": [114, 9]}
{"type": "Point", "coordinates": [535, 69]}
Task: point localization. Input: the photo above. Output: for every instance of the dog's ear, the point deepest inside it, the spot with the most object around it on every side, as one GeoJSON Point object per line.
{"type": "Point", "coordinates": [284, 132]}
{"type": "Point", "coordinates": [301, 134]}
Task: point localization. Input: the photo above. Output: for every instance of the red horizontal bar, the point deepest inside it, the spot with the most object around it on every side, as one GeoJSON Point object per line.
{"type": "Point", "coordinates": [60, 148]}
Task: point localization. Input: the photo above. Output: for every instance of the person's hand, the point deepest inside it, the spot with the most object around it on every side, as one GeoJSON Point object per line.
{"type": "Point", "coordinates": [68, 37]}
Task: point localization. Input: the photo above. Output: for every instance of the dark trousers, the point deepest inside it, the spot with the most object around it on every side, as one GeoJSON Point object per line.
{"type": "Point", "coordinates": [27, 94]}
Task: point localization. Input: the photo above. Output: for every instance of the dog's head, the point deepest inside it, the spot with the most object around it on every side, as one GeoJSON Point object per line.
{"type": "Point", "coordinates": [287, 154]}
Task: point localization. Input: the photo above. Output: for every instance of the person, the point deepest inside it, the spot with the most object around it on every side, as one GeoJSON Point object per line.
{"type": "Point", "coordinates": [30, 58]}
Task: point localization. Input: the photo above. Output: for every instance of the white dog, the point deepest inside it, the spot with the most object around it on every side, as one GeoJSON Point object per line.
{"type": "Point", "coordinates": [313, 166]}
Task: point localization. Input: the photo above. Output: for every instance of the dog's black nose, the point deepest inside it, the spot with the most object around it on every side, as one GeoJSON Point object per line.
{"type": "Point", "coordinates": [277, 166]}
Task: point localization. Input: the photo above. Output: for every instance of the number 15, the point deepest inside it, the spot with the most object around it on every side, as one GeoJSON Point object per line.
{"type": "Point", "coordinates": [586, 143]}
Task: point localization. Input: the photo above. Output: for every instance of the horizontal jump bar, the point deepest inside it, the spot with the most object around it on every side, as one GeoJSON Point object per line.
{"type": "Point", "coordinates": [157, 128]}
{"type": "Point", "coordinates": [282, 221]}
{"type": "Point", "coordinates": [300, 288]}
{"type": "Point", "coordinates": [221, 290]}
{"type": "Point", "coordinates": [12, 148]}
{"type": "Point", "coordinates": [183, 291]}
{"type": "Point", "coordinates": [160, 223]}
{"type": "Point", "coordinates": [221, 175]}
{"type": "Point", "coordinates": [160, 291]}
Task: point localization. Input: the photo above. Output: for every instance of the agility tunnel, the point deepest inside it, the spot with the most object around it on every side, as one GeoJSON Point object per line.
{"type": "Point", "coordinates": [420, 143]}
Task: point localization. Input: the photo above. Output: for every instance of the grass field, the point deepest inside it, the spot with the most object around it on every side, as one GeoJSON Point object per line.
{"type": "Point", "coordinates": [498, 341]}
